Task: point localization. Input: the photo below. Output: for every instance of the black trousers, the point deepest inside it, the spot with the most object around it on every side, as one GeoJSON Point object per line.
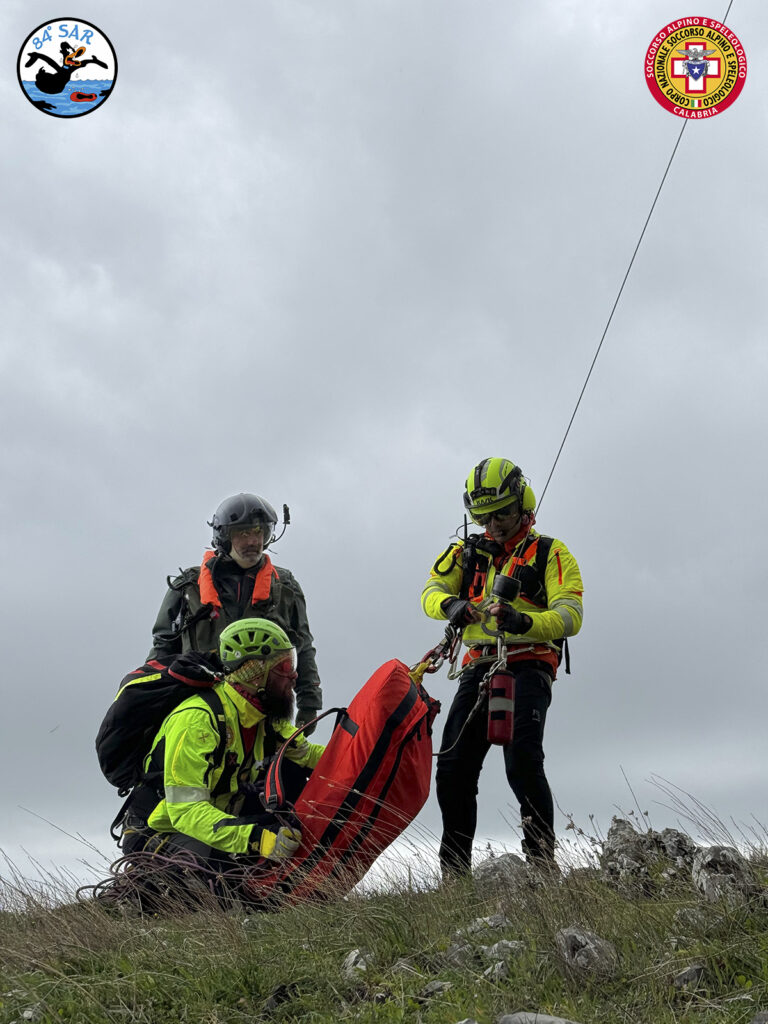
{"type": "Point", "coordinates": [458, 770]}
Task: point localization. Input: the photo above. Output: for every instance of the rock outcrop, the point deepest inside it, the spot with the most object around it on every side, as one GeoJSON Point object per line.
{"type": "Point", "coordinates": [628, 855]}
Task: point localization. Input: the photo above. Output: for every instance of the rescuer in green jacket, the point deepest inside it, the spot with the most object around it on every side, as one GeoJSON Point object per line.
{"type": "Point", "coordinates": [204, 809]}
{"type": "Point", "coordinates": [237, 579]}
{"type": "Point", "coordinates": [534, 625]}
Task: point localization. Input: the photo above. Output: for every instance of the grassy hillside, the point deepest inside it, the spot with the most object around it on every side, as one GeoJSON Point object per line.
{"type": "Point", "coordinates": [77, 963]}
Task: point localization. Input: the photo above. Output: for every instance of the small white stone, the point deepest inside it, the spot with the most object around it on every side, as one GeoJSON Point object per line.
{"type": "Point", "coordinates": [494, 923]}
{"type": "Point", "coordinates": [435, 988]}
{"type": "Point", "coordinates": [403, 966]}
{"type": "Point", "coordinates": [460, 955]}
{"type": "Point", "coordinates": [355, 963]}
{"type": "Point", "coordinates": [497, 972]}
{"type": "Point", "coordinates": [504, 949]}
{"type": "Point", "coordinates": [691, 976]}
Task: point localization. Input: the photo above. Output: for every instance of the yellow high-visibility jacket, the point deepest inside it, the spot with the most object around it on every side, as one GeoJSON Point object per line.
{"type": "Point", "coordinates": [201, 798]}
{"type": "Point", "coordinates": [556, 608]}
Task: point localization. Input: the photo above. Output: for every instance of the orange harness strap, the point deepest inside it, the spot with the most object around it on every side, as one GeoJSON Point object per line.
{"type": "Point", "coordinates": [262, 585]}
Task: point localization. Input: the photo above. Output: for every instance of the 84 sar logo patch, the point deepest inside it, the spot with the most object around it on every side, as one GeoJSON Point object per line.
{"type": "Point", "coordinates": [67, 67]}
{"type": "Point", "coordinates": [695, 67]}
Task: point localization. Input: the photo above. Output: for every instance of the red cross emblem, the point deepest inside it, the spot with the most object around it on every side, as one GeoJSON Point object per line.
{"type": "Point", "coordinates": [695, 53]}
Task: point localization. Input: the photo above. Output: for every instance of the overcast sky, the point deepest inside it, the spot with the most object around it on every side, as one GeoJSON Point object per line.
{"type": "Point", "coordinates": [336, 253]}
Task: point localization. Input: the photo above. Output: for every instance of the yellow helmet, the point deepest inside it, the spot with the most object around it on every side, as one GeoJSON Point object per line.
{"type": "Point", "coordinates": [495, 484]}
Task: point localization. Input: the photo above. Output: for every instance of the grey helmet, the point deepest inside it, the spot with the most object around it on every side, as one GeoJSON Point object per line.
{"type": "Point", "coordinates": [241, 510]}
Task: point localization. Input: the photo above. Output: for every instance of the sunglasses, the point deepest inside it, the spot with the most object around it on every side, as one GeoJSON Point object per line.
{"type": "Point", "coordinates": [483, 518]}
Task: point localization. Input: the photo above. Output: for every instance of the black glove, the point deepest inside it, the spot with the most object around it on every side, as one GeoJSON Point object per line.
{"type": "Point", "coordinates": [306, 715]}
{"type": "Point", "coordinates": [457, 611]}
{"type": "Point", "coordinates": [510, 620]}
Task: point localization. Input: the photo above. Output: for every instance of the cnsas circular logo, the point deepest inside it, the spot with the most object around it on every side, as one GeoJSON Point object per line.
{"type": "Point", "coordinates": [67, 67]}
{"type": "Point", "coordinates": [695, 67]}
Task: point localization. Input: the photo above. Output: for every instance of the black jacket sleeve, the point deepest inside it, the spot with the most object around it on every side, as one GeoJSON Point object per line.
{"type": "Point", "coordinates": [166, 636]}
{"type": "Point", "coordinates": [309, 695]}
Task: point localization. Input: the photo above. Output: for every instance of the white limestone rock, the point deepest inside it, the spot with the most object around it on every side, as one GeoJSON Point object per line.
{"type": "Point", "coordinates": [628, 853]}
{"type": "Point", "coordinates": [508, 869]}
{"type": "Point", "coordinates": [504, 949]}
{"type": "Point", "coordinates": [586, 953]}
{"type": "Point", "coordinates": [434, 988]}
{"type": "Point", "coordinates": [355, 964]}
{"type": "Point", "coordinates": [494, 923]}
{"type": "Point", "coordinates": [721, 873]}
{"type": "Point", "coordinates": [689, 978]}
{"type": "Point", "coordinates": [497, 972]}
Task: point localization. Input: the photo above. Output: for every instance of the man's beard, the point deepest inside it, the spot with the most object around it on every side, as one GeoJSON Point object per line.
{"type": "Point", "coordinates": [247, 561]}
{"type": "Point", "coordinates": [277, 705]}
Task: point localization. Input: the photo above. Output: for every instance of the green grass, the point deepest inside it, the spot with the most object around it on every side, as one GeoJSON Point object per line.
{"type": "Point", "coordinates": [77, 963]}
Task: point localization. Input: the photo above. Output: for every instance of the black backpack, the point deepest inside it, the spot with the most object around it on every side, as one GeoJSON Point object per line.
{"type": "Point", "coordinates": [145, 697]}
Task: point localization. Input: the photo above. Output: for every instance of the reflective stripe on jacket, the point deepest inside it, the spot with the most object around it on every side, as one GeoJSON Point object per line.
{"type": "Point", "coordinates": [201, 799]}
{"type": "Point", "coordinates": [556, 614]}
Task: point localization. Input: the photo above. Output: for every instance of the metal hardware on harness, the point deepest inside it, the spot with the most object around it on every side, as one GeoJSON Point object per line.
{"type": "Point", "coordinates": [500, 661]}
{"type": "Point", "coordinates": [504, 591]}
{"type": "Point", "coordinates": [434, 659]}
{"type": "Point", "coordinates": [455, 669]}
{"type": "Point", "coordinates": [495, 633]}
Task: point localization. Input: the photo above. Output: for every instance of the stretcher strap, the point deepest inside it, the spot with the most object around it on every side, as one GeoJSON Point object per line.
{"type": "Point", "coordinates": [273, 796]}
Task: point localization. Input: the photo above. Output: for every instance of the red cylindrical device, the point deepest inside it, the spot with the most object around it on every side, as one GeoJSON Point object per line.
{"type": "Point", "coordinates": [501, 706]}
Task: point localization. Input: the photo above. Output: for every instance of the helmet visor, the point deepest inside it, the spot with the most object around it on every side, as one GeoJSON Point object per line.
{"type": "Point", "coordinates": [258, 527]}
{"type": "Point", "coordinates": [285, 666]}
{"type": "Point", "coordinates": [283, 662]}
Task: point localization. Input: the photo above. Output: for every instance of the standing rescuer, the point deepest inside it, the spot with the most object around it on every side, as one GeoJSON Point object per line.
{"type": "Point", "coordinates": [534, 626]}
{"type": "Point", "coordinates": [237, 579]}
